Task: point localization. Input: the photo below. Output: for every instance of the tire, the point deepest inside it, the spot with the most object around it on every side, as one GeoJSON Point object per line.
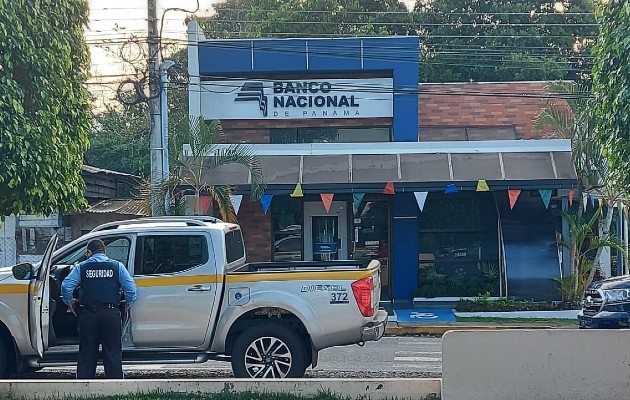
{"type": "Point", "coordinates": [4, 360]}
{"type": "Point", "coordinates": [268, 350]}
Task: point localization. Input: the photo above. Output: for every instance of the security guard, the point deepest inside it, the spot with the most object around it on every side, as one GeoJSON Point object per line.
{"type": "Point", "coordinates": [101, 280]}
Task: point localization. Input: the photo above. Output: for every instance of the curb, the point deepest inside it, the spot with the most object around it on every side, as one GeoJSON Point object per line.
{"type": "Point", "coordinates": [427, 329]}
{"type": "Point", "coordinates": [355, 388]}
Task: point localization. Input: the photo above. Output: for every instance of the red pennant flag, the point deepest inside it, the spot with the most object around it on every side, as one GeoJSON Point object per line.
{"type": "Point", "coordinates": [204, 204]}
{"type": "Point", "coordinates": [571, 193]}
{"type": "Point", "coordinates": [513, 194]}
{"type": "Point", "coordinates": [389, 188]}
{"type": "Point", "coordinates": [327, 199]}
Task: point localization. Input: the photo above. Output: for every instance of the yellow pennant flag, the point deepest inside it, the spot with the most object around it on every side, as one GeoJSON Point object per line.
{"type": "Point", "coordinates": [297, 192]}
{"type": "Point", "coordinates": [482, 186]}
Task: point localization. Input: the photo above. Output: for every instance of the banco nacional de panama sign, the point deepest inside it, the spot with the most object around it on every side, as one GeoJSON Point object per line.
{"type": "Point", "coordinates": [297, 98]}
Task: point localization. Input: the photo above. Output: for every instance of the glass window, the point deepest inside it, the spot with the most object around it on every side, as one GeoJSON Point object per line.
{"type": "Point", "coordinates": [459, 246]}
{"type": "Point", "coordinates": [166, 254]}
{"type": "Point", "coordinates": [286, 215]}
{"type": "Point", "coordinates": [234, 247]}
{"type": "Point", "coordinates": [329, 135]}
{"type": "Point", "coordinates": [116, 248]}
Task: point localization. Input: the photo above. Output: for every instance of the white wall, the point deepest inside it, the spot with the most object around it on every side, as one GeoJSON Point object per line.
{"type": "Point", "coordinates": [569, 364]}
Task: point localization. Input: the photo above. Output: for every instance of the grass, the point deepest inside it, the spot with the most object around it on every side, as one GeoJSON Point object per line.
{"type": "Point", "coordinates": [216, 396]}
{"type": "Point", "coordinates": [508, 321]}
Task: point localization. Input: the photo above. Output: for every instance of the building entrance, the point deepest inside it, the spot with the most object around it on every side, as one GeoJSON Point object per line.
{"type": "Point", "coordinates": [325, 234]}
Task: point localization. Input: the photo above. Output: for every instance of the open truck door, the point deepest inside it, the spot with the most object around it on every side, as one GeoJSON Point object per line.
{"type": "Point", "coordinates": [39, 301]}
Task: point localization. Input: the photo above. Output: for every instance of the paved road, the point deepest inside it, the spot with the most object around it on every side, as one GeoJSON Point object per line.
{"type": "Point", "coordinates": [403, 357]}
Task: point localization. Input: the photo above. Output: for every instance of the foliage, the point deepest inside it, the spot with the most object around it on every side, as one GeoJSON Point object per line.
{"type": "Point", "coordinates": [460, 282]}
{"type": "Point", "coordinates": [611, 84]}
{"type": "Point", "coordinates": [484, 303]}
{"type": "Point", "coordinates": [223, 395]}
{"type": "Point", "coordinates": [504, 40]}
{"type": "Point", "coordinates": [582, 243]}
{"type": "Point", "coordinates": [313, 18]}
{"type": "Point", "coordinates": [120, 131]}
{"type": "Point", "coordinates": [44, 111]}
{"type": "Point", "coordinates": [192, 169]}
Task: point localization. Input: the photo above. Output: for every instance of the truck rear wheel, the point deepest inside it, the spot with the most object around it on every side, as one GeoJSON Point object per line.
{"type": "Point", "coordinates": [268, 350]}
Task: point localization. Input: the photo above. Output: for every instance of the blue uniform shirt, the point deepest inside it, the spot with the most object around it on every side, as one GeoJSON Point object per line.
{"type": "Point", "coordinates": [74, 279]}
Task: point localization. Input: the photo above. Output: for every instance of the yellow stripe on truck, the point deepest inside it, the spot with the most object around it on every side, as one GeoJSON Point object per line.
{"type": "Point", "coordinates": [299, 276]}
{"type": "Point", "coordinates": [149, 281]}
{"type": "Point", "coordinates": [14, 289]}
{"type": "Point", "coordinates": [152, 281]}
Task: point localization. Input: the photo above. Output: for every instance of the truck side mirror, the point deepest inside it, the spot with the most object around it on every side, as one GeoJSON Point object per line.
{"type": "Point", "coordinates": [23, 271]}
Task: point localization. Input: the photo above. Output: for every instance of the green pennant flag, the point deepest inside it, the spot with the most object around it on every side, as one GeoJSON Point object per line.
{"type": "Point", "coordinates": [545, 194]}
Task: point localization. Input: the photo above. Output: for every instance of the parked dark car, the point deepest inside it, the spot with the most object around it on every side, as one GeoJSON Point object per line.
{"type": "Point", "coordinates": [607, 304]}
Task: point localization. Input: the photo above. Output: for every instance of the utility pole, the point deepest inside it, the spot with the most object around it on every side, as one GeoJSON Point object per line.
{"type": "Point", "coordinates": [153, 40]}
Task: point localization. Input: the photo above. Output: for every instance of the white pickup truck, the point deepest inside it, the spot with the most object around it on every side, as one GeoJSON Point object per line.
{"type": "Point", "coordinates": [197, 300]}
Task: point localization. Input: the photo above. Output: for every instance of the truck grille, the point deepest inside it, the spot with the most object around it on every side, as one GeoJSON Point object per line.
{"type": "Point", "coordinates": [592, 302]}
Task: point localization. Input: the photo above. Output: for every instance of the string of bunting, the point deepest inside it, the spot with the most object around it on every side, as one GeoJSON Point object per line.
{"type": "Point", "coordinates": [421, 197]}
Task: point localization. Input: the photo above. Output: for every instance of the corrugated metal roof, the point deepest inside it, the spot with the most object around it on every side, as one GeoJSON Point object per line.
{"type": "Point", "coordinates": [118, 206]}
{"type": "Point", "coordinates": [95, 170]}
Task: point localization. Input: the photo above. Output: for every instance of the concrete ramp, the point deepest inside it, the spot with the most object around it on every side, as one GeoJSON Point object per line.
{"type": "Point", "coordinates": [554, 364]}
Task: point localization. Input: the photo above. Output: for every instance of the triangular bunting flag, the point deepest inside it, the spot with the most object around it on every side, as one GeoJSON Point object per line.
{"type": "Point", "coordinates": [297, 192]}
{"type": "Point", "coordinates": [327, 199]}
{"type": "Point", "coordinates": [451, 188]}
{"type": "Point", "coordinates": [482, 185]}
{"type": "Point", "coordinates": [236, 202]}
{"type": "Point", "coordinates": [571, 194]}
{"type": "Point", "coordinates": [421, 197]}
{"type": "Point", "coordinates": [389, 188]}
{"type": "Point", "coordinates": [513, 195]}
{"type": "Point", "coordinates": [584, 200]}
{"type": "Point", "coordinates": [592, 201]}
{"type": "Point", "coordinates": [265, 200]}
{"type": "Point", "coordinates": [357, 198]}
{"type": "Point", "coordinates": [545, 194]}
{"type": "Point", "coordinates": [203, 205]}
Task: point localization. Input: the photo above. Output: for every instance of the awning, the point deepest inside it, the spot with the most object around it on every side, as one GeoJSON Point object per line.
{"type": "Point", "coordinates": [346, 167]}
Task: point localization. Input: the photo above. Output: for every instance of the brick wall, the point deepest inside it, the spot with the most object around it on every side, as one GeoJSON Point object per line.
{"type": "Point", "coordinates": [482, 104]}
{"type": "Point", "coordinates": [256, 227]}
{"type": "Point", "coordinates": [257, 131]}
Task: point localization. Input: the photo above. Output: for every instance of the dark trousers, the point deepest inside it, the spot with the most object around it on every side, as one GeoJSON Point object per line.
{"type": "Point", "coordinates": [100, 327]}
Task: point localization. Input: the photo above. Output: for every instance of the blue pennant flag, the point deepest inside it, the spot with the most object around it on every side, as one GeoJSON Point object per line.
{"type": "Point", "coordinates": [451, 188]}
{"type": "Point", "coordinates": [265, 200]}
{"type": "Point", "coordinates": [546, 196]}
{"type": "Point", "coordinates": [357, 198]}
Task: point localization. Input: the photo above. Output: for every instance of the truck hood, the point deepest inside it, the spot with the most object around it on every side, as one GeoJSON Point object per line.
{"type": "Point", "coordinates": [5, 272]}
{"type": "Point", "coordinates": [618, 282]}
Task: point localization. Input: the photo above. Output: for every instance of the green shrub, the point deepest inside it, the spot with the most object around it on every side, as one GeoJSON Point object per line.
{"type": "Point", "coordinates": [485, 304]}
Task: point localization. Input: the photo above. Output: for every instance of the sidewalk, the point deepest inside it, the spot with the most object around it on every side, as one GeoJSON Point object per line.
{"type": "Point", "coordinates": [438, 321]}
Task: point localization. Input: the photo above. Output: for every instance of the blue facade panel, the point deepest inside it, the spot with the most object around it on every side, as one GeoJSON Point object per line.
{"type": "Point", "coordinates": [225, 56]}
{"type": "Point", "coordinates": [405, 242]}
{"type": "Point", "coordinates": [334, 55]}
{"type": "Point", "coordinates": [279, 55]}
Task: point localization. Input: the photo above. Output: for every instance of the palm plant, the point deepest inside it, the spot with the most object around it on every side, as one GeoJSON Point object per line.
{"type": "Point", "coordinates": [575, 121]}
{"type": "Point", "coordinates": [581, 243]}
{"type": "Point", "coordinates": [194, 153]}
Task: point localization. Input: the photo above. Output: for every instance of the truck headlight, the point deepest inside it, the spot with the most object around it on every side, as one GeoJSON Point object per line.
{"type": "Point", "coordinates": [616, 295]}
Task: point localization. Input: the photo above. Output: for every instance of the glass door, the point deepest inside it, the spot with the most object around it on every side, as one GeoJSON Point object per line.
{"type": "Point", "coordinates": [325, 234]}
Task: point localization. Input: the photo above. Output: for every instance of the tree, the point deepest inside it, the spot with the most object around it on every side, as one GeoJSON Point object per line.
{"type": "Point", "coordinates": [575, 121]}
{"type": "Point", "coordinates": [313, 18]}
{"type": "Point", "coordinates": [44, 111]}
{"type": "Point", "coordinates": [504, 40]}
{"type": "Point", "coordinates": [191, 170]}
{"type": "Point", "coordinates": [120, 140]}
{"type": "Point", "coordinates": [611, 83]}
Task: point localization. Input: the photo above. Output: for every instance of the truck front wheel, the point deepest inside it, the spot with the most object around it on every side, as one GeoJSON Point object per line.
{"type": "Point", "coordinates": [268, 351]}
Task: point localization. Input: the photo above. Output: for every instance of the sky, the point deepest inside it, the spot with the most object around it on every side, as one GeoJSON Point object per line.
{"type": "Point", "coordinates": [115, 22]}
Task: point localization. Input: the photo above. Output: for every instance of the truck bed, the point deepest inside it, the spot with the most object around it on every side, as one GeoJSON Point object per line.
{"type": "Point", "coordinates": [287, 266]}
